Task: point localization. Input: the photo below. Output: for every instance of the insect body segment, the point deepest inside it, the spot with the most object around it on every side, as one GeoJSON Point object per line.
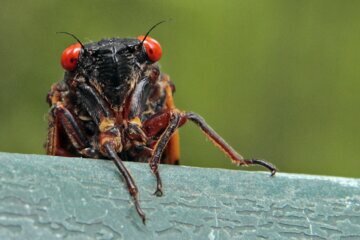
{"type": "Point", "coordinates": [114, 103]}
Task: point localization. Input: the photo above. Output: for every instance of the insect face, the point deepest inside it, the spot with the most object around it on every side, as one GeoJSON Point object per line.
{"type": "Point", "coordinates": [113, 66]}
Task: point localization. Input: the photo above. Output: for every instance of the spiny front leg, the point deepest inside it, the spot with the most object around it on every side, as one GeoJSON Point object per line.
{"type": "Point", "coordinates": [62, 122]}
{"type": "Point", "coordinates": [133, 190]}
{"type": "Point", "coordinates": [173, 121]}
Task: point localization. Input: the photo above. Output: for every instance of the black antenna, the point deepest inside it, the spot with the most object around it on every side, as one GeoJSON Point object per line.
{"type": "Point", "coordinates": [72, 35]}
{"type": "Point", "coordinates": [152, 28]}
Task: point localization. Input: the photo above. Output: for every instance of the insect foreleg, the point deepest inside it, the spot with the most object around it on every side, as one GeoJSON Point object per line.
{"type": "Point", "coordinates": [96, 106]}
{"type": "Point", "coordinates": [63, 120]}
{"type": "Point", "coordinates": [172, 125]}
{"type": "Point", "coordinates": [138, 98]}
{"type": "Point", "coordinates": [133, 190]}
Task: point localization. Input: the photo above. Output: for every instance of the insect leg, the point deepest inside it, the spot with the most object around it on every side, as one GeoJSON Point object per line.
{"type": "Point", "coordinates": [172, 151]}
{"type": "Point", "coordinates": [224, 146]}
{"type": "Point", "coordinates": [133, 190]}
{"type": "Point", "coordinates": [139, 97]}
{"type": "Point", "coordinates": [172, 125]}
{"type": "Point", "coordinates": [96, 107]}
{"type": "Point", "coordinates": [63, 120]}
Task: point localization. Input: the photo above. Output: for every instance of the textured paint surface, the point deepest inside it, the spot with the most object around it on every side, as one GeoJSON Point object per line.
{"type": "Point", "coordinates": [44, 197]}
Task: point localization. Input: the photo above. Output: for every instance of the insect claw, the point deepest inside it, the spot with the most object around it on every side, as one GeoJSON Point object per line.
{"type": "Point", "coordinates": [143, 219]}
{"type": "Point", "coordinates": [158, 192]}
{"type": "Point", "coordinates": [264, 164]}
{"type": "Point", "coordinates": [140, 211]}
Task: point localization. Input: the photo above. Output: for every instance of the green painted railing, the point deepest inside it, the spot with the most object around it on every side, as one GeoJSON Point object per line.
{"type": "Point", "coordinates": [44, 197]}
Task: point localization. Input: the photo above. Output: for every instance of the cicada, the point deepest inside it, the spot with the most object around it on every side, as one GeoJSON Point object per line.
{"type": "Point", "coordinates": [114, 103]}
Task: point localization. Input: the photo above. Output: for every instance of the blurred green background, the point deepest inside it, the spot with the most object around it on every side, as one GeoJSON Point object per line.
{"type": "Point", "coordinates": [278, 80]}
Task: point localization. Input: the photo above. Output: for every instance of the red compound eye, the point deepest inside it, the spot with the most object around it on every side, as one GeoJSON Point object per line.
{"type": "Point", "coordinates": [70, 57]}
{"type": "Point", "coordinates": [152, 47]}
